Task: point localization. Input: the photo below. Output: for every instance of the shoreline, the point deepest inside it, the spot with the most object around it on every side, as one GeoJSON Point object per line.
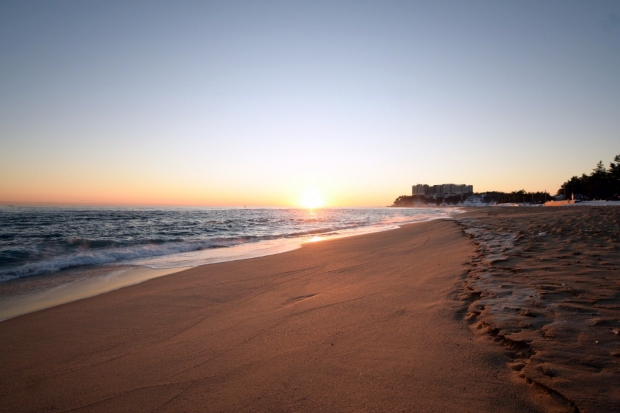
{"type": "Point", "coordinates": [100, 280]}
{"type": "Point", "coordinates": [107, 280]}
{"type": "Point", "coordinates": [361, 323]}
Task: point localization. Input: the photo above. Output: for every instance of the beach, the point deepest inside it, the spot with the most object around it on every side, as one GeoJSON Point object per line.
{"type": "Point", "coordinates": [545, 284]}
{"type": "Point", "coordinates": [385, 322]}
{"type": "Point", "coordinates": [309, 206]}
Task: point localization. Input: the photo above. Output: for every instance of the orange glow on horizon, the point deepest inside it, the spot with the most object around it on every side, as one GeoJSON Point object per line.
{"type": "Point", "coordinates": [185, 197]}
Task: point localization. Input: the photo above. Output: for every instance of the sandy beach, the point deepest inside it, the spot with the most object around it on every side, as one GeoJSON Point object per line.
{"type": "Point", "coordinates": [384, 322]}
{"type": "Point", "coordinates": [545, 284]}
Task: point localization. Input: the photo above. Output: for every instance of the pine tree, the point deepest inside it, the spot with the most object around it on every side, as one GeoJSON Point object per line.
{"type": "Point", "coordinates": [598, 182]}
{"type": "Point", "coordinates": [614, 177]}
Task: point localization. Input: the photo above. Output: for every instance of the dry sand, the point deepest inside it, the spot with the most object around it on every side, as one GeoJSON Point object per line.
{"type": "Point", "coordinates": [546, 284]}
{"type": "Point", "coordinates": [368, 323]}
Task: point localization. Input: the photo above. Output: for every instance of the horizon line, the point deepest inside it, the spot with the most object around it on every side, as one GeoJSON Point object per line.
{"type": "Point", "coordinates": [165, 205]}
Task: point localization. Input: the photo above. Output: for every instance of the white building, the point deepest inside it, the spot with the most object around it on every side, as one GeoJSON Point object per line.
{"type": "Point", "coordinates": [441, 190]}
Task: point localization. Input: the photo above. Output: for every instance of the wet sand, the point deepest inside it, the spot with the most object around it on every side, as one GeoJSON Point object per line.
{"type": "Point", "coordinates": [36, 293]}
{"type": "Point", "coordinates": [545, 283]}
{"type": "Point", "coordinates": [367, 323]}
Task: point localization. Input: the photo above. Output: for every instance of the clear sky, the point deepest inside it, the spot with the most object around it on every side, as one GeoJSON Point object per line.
{"type": "Point", "coordinates": [257, 102]}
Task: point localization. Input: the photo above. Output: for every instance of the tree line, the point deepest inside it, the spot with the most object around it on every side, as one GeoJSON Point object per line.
{"type": "Point", "coordinates": [602, 183]}
{"type": "Point", "coordinates": [493, 197]}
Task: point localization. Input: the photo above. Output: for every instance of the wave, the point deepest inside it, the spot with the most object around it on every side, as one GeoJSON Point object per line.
{"type": "Point", "coordinates": [72, 252]}
{"type": "Point", "coordinates": [105, 256]}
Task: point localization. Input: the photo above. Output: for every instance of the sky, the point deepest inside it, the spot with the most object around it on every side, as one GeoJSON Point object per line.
{"type": "Point", "coordinates": [256, 103]}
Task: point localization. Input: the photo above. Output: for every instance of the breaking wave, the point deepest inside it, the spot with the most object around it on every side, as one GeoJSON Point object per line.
{"type": "Point", "coordinates": [37, 241]}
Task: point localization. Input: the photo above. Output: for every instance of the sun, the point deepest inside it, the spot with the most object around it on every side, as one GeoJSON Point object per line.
{"type": "Point", "coordinates": [311, 200]}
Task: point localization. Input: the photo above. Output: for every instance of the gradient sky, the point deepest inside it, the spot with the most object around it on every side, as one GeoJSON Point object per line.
{"type": "Point", "coordinates": [254, 103]}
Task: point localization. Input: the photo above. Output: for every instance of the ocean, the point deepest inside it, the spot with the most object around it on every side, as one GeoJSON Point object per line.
{"type": "Point", "coordinates": [43, 248]}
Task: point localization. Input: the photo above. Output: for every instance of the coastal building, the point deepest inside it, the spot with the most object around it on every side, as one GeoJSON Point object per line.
{"type": "Point", "coordinates": [441, 190]}
{"type": "Point", "coordinates": [420, 189]}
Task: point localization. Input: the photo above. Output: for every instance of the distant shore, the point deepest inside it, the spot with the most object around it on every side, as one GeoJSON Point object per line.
{"type": "Point", "coordinates": [484, 205]}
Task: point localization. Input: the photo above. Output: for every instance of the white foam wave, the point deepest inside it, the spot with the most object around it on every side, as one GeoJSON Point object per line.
{"type": "Point", "coordinates": [103, 257]}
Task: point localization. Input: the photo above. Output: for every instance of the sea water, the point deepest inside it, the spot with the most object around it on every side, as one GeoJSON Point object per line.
{"type": "Point", "coordinates": [49, 251]}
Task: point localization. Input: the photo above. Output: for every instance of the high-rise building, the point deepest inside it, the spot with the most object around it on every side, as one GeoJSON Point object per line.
{"type": "Point", "coordinates": [442, 190]}
{"type": "Point", "coordinates": [420, 189]}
